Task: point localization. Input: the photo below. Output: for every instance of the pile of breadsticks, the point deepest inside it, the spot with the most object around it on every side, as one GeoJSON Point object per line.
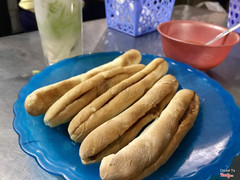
{"type": "Point", "coordinates": [129, 116]}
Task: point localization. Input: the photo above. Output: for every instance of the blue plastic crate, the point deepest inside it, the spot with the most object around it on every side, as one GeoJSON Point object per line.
{"type": "Point", "coordinates": [137, 17]}
{"type": "Point", "coordinates": [234, 14]}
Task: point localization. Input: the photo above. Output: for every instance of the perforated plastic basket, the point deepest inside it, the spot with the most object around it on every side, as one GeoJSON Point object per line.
{"type": "Point", "coordinates": [137, 17]}
{"type": "Point", "coordinates": [234, 14]}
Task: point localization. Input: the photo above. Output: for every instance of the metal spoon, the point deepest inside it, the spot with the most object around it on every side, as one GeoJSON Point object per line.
{"type": "Point", "coordinates": [223, 34]}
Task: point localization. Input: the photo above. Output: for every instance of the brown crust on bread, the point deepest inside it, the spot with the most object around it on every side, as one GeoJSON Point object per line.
{"type": "Point", "coordinates": [81, 95]}
{"type": "Point", "coordinates": [100, 138]}
{"type": "Point", "coordinates": [156, 144]}
{"type": "Point", "coordinates": [185, 125]}
{"type": "Point", "coordinates": [115, 100]}
{"type": "Point", "coordinates": [132, 132]}
{"type": "Point", "coordinates": [40, 100]}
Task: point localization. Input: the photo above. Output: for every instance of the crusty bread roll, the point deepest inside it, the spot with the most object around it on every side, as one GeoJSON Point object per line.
{"type": "Point", "coordinates": [116, 99]}
{"type": "Point", "coordinates": [156, 143]}
{"type": "Point", "coordinates": [100, 138]}
{"type": "Point", "coordinates": [168, 84]}
{"type": "Point", "coordinates": [40, 100]}
{"type": "Point", "coordinates": [79, 96]}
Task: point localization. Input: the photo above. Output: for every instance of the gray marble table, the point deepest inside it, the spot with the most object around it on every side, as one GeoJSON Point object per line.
{"type": "Point", "coordinates": [21, 54]}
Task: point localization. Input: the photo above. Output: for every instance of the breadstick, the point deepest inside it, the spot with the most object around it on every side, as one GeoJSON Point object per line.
{"type": "Point", "coordinates": [100, 138]}
{"type": "Point", "coordinates": [133, 131]}
{"type": "Point", "coordinates": [156, 144]}
{"type": "Point", "coordinates": [40, 100]}
{"type": "Point", "coordinates": [115, 100]}
{"type": "Point", "coordinates": [78, 97]}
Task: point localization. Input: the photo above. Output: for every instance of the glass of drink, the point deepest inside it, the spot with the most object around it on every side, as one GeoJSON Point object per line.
{"type": "Point", "coordinates": [60, 27]}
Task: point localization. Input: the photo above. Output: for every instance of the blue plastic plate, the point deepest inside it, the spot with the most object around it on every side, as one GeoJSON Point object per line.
{"type": "Point", "coordinates": [208, 147]}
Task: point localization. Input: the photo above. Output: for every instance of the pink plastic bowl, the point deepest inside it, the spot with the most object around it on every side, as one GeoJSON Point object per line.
{"type": "Point", "coordinates": [184, 41]}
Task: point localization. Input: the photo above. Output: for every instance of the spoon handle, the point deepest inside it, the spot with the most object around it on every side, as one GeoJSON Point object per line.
{"type": "Point", "coordinates": [223, 34]}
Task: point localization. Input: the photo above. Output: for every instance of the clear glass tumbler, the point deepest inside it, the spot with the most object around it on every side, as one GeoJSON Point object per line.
{"type": "Point", "coordinates": [60, 27]}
